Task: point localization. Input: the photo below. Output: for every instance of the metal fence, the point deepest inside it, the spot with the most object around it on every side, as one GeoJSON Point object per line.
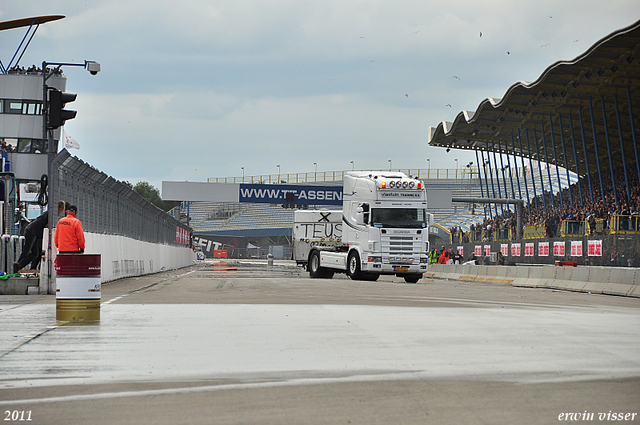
{"type": "Point", "coordinates": [107, 206]}
{"type": "Point", "coordinates": [595, 250]}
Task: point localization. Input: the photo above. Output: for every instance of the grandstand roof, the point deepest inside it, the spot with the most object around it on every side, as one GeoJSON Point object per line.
{"type": "Point", "coordinates": [602, 86]}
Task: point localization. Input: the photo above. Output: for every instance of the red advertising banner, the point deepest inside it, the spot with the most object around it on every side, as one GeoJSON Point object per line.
{"type": "Point", "coordinates": [558, 248]}
{"type": "Point", "coordinates": [461, 250]}
{"type": "Point", "coordinates": [478, 250]}
{"type": "Point", "coordinates": [529, 249]}
{"type": "Point", "coordinates": [595, 248]}
{"type": "Point", "coordinates": [515, 249]}
{"type": "Point", "coordinates": [487, 250]}
{"type": "Point", "coordinates": [576, 248]}
{"type": "Point", "coordinates": [543, 249]}
{"type": "Point", "coordinates": [504, 249]}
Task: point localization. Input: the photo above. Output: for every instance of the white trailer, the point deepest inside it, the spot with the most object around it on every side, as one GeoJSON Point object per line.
{"type": "Point", "coordinates": [383, 228]}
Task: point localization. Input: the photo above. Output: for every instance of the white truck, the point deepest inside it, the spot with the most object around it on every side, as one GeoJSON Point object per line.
{"type": "Point", "coordinates": [383, 228]}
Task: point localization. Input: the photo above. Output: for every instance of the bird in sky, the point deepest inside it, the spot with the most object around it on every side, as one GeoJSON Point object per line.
{"type": "Point", "coordinates": [448, 105]}
{"type": "Point", "coordinates": [480, 33]}
{"type": "Point", "coordinates": [406, 95]}
{"type": "Point", "coordinates": [545, 45]}
{"type": "Point", "coordinates": [508, 52]}
{"type": "Point", "coordinates": [456, 77]}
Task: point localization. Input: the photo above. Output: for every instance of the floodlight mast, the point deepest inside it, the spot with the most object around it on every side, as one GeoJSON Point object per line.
{"type": "Point", "coordinates": [52, 150]}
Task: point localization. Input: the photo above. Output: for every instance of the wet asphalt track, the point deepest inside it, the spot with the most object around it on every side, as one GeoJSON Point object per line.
{"type": "Point", "coordinates": [247, 343]}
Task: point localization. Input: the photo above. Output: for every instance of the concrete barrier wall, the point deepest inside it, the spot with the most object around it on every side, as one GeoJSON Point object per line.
{"type": "Point", "coordinates": [601, 280]}
{"type": "Point", "coordinates": [124, 257]}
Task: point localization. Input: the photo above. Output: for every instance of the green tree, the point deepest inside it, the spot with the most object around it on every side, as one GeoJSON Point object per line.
{"type": "Point", "coordinates": [151, 194]}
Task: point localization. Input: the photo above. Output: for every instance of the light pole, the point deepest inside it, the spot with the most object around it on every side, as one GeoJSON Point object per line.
{"type": "Point", "coordinates": [353, 166]}
{"type": "Point", "coordinates": [278, 173]}
{"type": "Point", "coordinates": [52, 150]}
{"type": "Point", "coordinates": [242, 174]}
{"type": "Point", "coordinates": [389, 164]}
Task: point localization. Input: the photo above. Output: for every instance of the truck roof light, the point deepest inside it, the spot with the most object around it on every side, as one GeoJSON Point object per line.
{"type": "Point", "coordinates": [383, 185]}
{"type": "Point", "coordinates": [419, 185]}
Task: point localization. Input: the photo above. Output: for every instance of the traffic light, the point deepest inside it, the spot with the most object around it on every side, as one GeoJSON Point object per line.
{"type": "Point", "coordinates": [57, 114]}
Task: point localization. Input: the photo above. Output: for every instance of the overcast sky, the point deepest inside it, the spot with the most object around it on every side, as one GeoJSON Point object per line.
{"type": "Point", "coordinates": [195, 89]}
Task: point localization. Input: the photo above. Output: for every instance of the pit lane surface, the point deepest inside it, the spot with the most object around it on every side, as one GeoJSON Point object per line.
{"type": "Point", "coordinates": [247, 343]}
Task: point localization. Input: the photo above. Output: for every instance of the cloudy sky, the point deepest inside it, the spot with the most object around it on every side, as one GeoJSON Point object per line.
{"type": "Point", "coordinates": [195, 89]}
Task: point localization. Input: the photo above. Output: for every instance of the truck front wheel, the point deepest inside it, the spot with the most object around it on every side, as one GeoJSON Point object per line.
{"type": "Point", "coordinates": [353, 266]}
{"type": "Point", "coordinates": [412, 278]}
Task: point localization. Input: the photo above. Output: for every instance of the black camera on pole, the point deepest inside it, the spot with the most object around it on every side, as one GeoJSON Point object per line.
{"type": "Point", "coordinates": [57, 115]}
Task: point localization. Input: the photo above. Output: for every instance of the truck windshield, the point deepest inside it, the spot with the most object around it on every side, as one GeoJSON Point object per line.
{"type": "Point", "coordinates": [408, 218]}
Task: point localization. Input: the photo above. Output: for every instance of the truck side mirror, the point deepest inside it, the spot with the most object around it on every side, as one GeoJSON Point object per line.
{"type": "Point", "coordinates": [431, 220]}
{"type": "Point", "coordinates": [365, 213]}
{"type": "Point", "coordinates": [359, 215]}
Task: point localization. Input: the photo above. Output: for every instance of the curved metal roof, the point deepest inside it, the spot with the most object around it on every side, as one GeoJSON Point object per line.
{"type": "Point", "coordinates": [601, 86]}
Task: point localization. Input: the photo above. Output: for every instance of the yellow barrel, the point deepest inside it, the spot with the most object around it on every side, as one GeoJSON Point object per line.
{"type": "Point", "coordinates": [78, 287]}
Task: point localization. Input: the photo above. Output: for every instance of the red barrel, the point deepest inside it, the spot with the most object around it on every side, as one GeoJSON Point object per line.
{"type": "Point", "coordinates": [78, 265]}
{"type": "Point", "coordinates": [78, 287]}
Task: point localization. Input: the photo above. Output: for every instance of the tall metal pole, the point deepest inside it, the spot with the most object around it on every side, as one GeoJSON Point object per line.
{"type": "Point", "coordinates": [624, 162]}
{"type": "Point", "coordinates": [575, 158]}
{"type": "Point", "coordinates": [495, 162]}
{"type": "Point", "coordinates": [586, 157]}
{"type": "Point", "coordinates": [533, 179]}
{"type": "Point", "coordinates": [595, 146]}
{"type": "Point", "coordinates": [524, 177]}
{"type": "Point", "coordinates": [566, 161]}
{"type": "Point", "coordinates": [606, 138]}
{"type": "Point", "coordinates": [633, 132]}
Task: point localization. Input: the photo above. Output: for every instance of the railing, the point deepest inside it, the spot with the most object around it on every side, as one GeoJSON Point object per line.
{"type": "Point", "coordinates": [475, 236]}
{"type": "Point", "coordinates": [534, 231]}
{"type": "Point", "coordinates": [574, 228]}
{"type": "Point", "coordinates": [335, 176]}
{"type": "Point", "coordinates": [624, 224]}
{"type": "Point", "coordinates": [502, 235]}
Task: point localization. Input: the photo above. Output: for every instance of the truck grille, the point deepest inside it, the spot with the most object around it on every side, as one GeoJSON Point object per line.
{"type": "Point", "coordinates": [398, 245]}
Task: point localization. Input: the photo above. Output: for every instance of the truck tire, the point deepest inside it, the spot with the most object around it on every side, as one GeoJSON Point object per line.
{"type": "Point", "coordinates": [412, 278]}
{"type": "Point", "coordinates": [353, 266]}
{"type": "Point", "coordinates": [315, 271]}
{"type": "Point", "coordinates": [314, 264]}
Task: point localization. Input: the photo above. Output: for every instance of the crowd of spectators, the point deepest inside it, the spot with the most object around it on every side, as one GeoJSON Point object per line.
{"type": "Point", "coordinates": [548, 213]}
{"type": "Point", "coordinates": [33, 70]}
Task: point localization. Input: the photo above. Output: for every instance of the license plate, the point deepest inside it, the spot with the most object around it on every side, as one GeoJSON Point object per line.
{"type": "Point", "coordinates": [401, 269]}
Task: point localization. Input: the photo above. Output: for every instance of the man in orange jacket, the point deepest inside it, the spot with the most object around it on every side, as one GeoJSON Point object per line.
{"type": "Point", "coordinates": [69, 237]}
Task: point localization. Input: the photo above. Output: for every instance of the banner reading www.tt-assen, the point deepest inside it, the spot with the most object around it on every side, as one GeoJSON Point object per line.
{"type": "Point", "coordinates": [303, 195]}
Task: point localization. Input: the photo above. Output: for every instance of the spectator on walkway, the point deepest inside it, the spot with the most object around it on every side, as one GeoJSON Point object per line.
{"type": "Point", "coordinates": [69, 237]}
{"type": "Point", "coordinates": [32, 249]}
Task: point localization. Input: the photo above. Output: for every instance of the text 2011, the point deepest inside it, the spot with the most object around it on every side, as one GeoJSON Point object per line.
{"type": "Point", "coordinates": [17, 415]}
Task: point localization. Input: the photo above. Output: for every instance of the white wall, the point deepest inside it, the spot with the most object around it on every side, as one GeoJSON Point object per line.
{"type": "Point", "coordinates": [125, 257]}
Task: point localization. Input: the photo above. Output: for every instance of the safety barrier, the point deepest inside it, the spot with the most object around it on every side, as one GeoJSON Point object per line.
{"type": "Point", "coordinates": [534, 231]}
{"type": "Point", "coordinates": [10, 250]}
{"type": "Point", "coordinates": [574, 228]}
{"type": "Point", "coordinates": [624, 224]}
{"type": "Point", "coordinates": [502, 235]}
{"type": "Point", "coordinates": [599, 280]}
